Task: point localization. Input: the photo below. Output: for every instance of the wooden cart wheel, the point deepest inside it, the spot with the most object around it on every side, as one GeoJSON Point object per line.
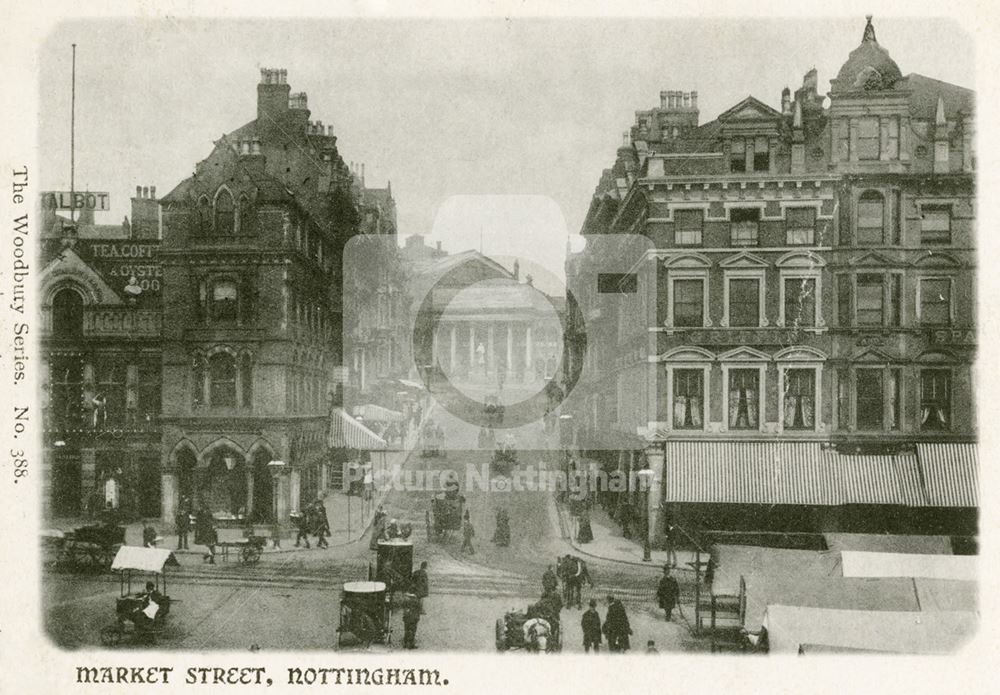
{"type": "Point", "coordinates": [111, 635]}
{"type": "Point", "coordinates": [501, 635]}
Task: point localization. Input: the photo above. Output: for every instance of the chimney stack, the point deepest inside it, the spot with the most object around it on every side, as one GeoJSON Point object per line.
{"type": "Point", "coordinates": [663, 99]}
{"type": "Point", "coordinates": [786, 101]}
{"type": "Point", "coordinates": [145, 223]}
{"type": "Point", "coordinates": [694, 100]}
{"type": "Point", "coordinates": [272, 98]}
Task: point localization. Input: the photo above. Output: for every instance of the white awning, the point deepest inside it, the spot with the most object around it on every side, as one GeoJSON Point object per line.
{"type": "Point", "coordinates": [862, 564]}
{"type": "Point", "coordinates": [900, 632]}
{"type": "Point", "coordinates": [131, 557]}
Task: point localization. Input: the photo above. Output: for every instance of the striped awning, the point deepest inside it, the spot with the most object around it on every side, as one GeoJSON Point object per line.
{"type": "Point", "coordinates": [951, 474]}
{"type": "Point", "coordinates": [348, 433]}
{"type": "Point", "coordinates": [799, 473]}
{"type": "Point", "coordinates": [877, 479]}
{"type": "Point", "coordinates": [747, 473]}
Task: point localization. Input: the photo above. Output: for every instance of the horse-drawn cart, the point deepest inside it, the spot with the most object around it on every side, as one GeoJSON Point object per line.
{"type": "Point", "coordinates": [86, 548]}
{"type": "Point", "coordinates": [446, 510]}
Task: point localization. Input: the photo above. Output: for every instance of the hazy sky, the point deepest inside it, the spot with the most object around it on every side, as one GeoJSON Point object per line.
{"type": "Point", "coordinates": [442, 108]}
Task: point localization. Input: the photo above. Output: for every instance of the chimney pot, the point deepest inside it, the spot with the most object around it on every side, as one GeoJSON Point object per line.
{"type": "Point", "coordinates": [687, 100]}
{"type": "Point", "coordinates": [663, 99]}
{"type": "Point", "coordinates": [694, 99]}
{"type": "Point", "coordinates": [145, 192]}
{"type": "Point", "coordinates": [138, 191]}
{"type": "Point", "coordinates": [152, 192]}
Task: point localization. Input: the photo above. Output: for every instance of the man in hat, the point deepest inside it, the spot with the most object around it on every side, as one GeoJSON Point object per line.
{"type": "Point", "coordinates": [591, 624]}
{"type": "Point", "coordinates": [667, 592]}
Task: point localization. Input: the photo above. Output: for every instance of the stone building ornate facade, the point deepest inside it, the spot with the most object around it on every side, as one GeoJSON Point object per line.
{"type": "Point", "coordinates": [798, 348]}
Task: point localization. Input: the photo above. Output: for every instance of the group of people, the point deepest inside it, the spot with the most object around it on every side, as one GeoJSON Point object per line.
{"type": "Point", "coordinates": [385, 528]}
{"type": "Point", "coordinates": [185, 519]}
{"type": "Point", "coordinates": [615, 627]}
{"type": "Point", "coordinates": [312, 521]}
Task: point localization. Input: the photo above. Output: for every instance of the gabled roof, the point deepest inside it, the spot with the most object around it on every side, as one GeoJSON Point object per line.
{"type": "Point", "coordinates": [924, 93]}
{"type": "Point", "coordinates": [750, 108]}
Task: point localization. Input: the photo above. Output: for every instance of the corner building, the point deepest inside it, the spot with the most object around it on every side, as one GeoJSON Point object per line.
{"type": "Point", "coordinates": [796, 352]}
{"type": "Point", "coordinates": [251, 253]}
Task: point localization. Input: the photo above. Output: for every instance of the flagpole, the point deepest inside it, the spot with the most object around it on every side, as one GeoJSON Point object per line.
{"type": "Point", "coordinates": [72, 145]}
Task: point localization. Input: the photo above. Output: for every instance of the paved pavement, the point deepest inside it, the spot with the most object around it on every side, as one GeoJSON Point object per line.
{"type": "Point", "coordinates": [610, 544]}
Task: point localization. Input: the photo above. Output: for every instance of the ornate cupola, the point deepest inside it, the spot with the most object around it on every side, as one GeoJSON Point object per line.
{"type": "Point", "coordinates": [868, 68]}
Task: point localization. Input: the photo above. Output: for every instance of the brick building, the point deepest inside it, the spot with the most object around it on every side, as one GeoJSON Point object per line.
{"type": "Point", "coordinates": [795, 352]}
{"type": "Point", "coordinates": [253, 310]}
{"type": "Point", "coordinates": [101, 291]}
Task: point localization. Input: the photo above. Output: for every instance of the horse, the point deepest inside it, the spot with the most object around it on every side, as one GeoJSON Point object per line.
{"type": "Point", "coordinates": [573, 572]}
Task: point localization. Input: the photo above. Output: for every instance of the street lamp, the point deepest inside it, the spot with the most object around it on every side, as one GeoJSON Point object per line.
{"type": "Point", "coordinates": [646, 477]}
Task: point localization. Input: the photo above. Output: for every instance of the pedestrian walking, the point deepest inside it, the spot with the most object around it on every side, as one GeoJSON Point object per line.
{"type": "Point", "coordinates": [585, 534]}
{"type": "Point", "coordinates": [669, 538]}
{"type": "Point", "coordinates": [420, 582]}
{"type": "Point", "coordinates": [616, 626]}
{"type": "Point", "coordinates": [467, 534]}
{"type": "Point", "coordinates": [411, 617]}
{"type": "Point", "coordinates": [182, 522]}
{"type": "Point", "coordinates": [591, 624]}
{"type": "Point", "coordinates": [302, 528]}
{"type": "Point", "coordinates": [667, 592]}
{"type": "Point", "coordinates": [205, 534]}
{"type": "Point", "coordinates": [322, 524]}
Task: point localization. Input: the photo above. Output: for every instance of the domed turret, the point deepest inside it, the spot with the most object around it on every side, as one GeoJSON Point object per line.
{"type": "Point", "coordinates": [869, 67]}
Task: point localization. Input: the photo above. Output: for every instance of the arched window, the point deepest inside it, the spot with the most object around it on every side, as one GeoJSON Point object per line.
{"type": "Point", "coordinates": [222, 376]}
{"type": "Point", "coordinates": [247, 215]}
{"type": "Point", "coordinates": [67, 314]}
{"type": "Point", "coordinates": [246, 381]}
{"type": "Point", "coordinates": [204, 216]}
{"type": "Point", "coordinates": [224, 300]}
{"type": "Point", "coordinates": [871, 219]}
{"type": "Point", "coordinates": [224, 213]}
{"type": "Point", "coordinates": [198, 381]}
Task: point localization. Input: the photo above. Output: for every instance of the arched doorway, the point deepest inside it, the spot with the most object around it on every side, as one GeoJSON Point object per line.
{"type": "Point", "coordinates": [263, 487]}
{"type": "Point", "coordinates": [224, 486]}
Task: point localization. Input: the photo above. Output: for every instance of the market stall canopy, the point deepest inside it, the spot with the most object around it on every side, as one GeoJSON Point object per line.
{"type": "Point", "coordinates": [348, 433]}
{"type": "Point", "coordinates": [854, 593]}
{"type": "Point", "coordinates": [790, 627]}
{"type": "Point", "coordinates": [130, 557]}
{"type": "Point", "coordinates": [865, 564]}
{"type": "Point", "coordinates": [734, 561]}
{"type": "Point", "coordinates": [376, 413]}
